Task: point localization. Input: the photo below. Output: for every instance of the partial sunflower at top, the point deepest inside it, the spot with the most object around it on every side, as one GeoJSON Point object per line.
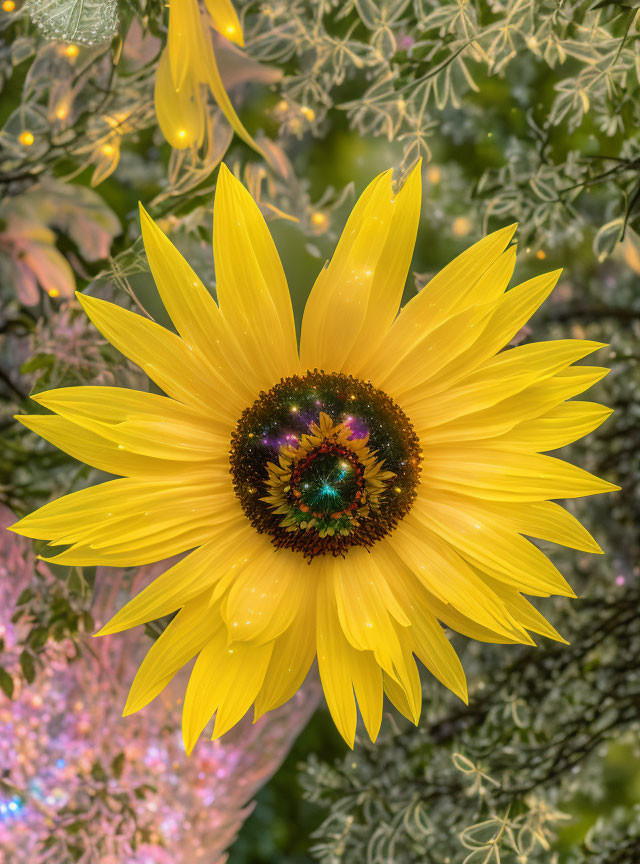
{"type": "Point", "coordinates": [187, 64]}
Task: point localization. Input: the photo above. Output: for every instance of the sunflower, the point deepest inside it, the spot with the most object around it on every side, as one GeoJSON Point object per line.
{"type": "Point", "coordinates": [188, 65]}
{"type": "Point", "coordinates": [343, 500]}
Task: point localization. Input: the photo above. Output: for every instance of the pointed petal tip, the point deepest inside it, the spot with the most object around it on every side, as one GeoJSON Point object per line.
{"type": "Point", "coordinates": [224, 171]}
{"type": "Point", "coordinates": [189, 742]}
{"type": "Point", "coordinates": [129, 708]}
{"type": "Point", "coordinates": [108, 629]}
{"type": "Point", "coordinates": [85, 301]}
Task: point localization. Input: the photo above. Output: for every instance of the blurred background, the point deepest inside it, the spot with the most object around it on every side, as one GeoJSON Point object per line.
{"type": "Point", "coordinates": [521, 110]}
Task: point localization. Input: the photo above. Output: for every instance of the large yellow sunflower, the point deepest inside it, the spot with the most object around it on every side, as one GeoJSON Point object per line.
{"type": "Point", "coordinates": [340, 500]}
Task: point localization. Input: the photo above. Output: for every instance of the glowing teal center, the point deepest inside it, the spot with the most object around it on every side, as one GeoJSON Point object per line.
{"type": "Point", "coordinates": [328, 483]}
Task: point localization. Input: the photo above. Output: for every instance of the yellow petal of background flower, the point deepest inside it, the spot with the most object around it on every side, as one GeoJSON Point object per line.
{"type": "Point", "coordinates": [224, 103]}
{"type": "Point", "coordinates": [179, 111]}
{"type": "Point", "coordinates": [185, 40]}
{"type": "Point", "coordinates": [225, 20]}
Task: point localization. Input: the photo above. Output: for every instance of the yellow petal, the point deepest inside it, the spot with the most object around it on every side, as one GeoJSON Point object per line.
{"type": "Point", "coordinates": [562, 425]}
{"type": "Point", "coordinates": [397, 366]}
{"type": "Point", "coordinates": [509, 315]}
{"type": "Point", "coordinates": [185, 580]}
{"type": "Point", "coordinates": [252, 288]}
{"type": "Point", "coordinates": [363, 283]}
{"type": "Point", "coordinates": [398, 698]}
{"type": "Point", "coordinates": [492, 548]}
{"type": "Point", "coordinates": [444, 574]}
{"type": "Point", "coordinates": [97, 451]}
{"type": "Point", "coordinates": [545, 520]}
{"type": "Point", "coordinates": [443, 610]}
{"type": "Point", "coordinates": [154, 547]}
{"type": "Point", "coordinates": [225, 680]}
{"type": "Point", "coordinates": [533, 401]}
{"type": "Point", "coordinates": [362, 612]}
{"type": "Point", "coordinates": [265, 597]}
{"type": "Point", "coordinates": [408, 375]}
{"type": "Point", "coordinates": [195, 314]}
{"type": "Point", "coordinates": [225, 20]}
{"type": "Point", "coordinates": [428, 641]}
{"type": "Point", "coordinates": [129, 521]}
{"type": "Point", "coordinates": [391, 272]}
{"type": "Point", "coordinates": [411, 687]}
{"type": "Point", "coordinates": [497, 475]}
{"type": "Point", "coordinates": [367, 683]}
{"type": "Point", "coordinates": [525, 612]}
{"type": "Point", "coordinates": [453, 288]}
{"type": "Point", "coordinates": [189, 631]}
{"type": "Point", "coordinates": [142, 423]}
{"type": "Point", "coordinates": [181, 371]}
{"type": "Point", "coordinates": [180, 111]}
{"type": "Point", "coordinates": [505, 375]}
{"type": "Point", "coordinates": [293, 653]}
{"type": "Point", "coordinates": [332, 649]}
{"type": "Point", "coordinates": [343, 668]}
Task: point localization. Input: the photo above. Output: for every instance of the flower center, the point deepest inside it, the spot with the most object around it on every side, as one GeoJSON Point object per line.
{"type": "Point", "coordinates": [323, 463]}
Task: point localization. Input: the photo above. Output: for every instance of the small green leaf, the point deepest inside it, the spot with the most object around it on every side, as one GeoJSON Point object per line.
{"type": "Point", "coordinates": [28, 666]}
{"type": "Point", "coordinates": [117, 765]}
{"type": "Point", "coordinates": [37, 638]}
{"type": "Point", "coordinates": [24, 597]}
{"type": "Point", "coordinates": [6, 682]}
